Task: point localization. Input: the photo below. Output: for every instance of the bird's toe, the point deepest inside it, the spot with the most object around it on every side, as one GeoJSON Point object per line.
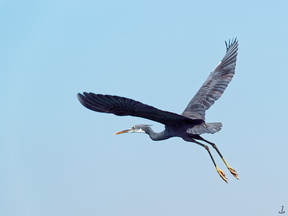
{"type": "Point", "coordinates": [222, 174]}
{"type": "Point", "coordinates": [233, 172]}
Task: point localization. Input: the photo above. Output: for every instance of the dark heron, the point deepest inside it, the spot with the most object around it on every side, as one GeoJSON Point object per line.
{"type": "Point", "coordinates": [190, 124]}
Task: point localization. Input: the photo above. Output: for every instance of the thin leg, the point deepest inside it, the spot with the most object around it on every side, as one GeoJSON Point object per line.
{"type": "Point", "coordinates": [232, 171]}
{"type": "Point", "coordinates": [219, 171]}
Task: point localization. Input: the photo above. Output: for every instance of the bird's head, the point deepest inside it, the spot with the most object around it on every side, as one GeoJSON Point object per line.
{"type": "Point", "coordinates": [140, 128]}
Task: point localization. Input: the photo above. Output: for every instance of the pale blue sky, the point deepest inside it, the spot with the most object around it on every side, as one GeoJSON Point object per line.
{"type": "Point", "coordinates": [58, 158]}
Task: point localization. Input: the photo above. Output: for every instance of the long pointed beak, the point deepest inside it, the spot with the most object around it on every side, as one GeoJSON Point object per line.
{"type": "Point", "coordinates": [123, 131]}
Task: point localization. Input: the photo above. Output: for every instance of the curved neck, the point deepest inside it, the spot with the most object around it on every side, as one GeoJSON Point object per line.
{"type": "Point", "coordinates": [157, 136]}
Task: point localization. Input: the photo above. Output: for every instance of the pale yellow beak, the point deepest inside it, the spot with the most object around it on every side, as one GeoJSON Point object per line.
{"type": "Point", "coordinates": [123, 131]}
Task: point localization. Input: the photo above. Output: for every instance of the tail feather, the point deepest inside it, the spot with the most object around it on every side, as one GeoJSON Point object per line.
{"type": "Point", "coordinates": [205, 128]}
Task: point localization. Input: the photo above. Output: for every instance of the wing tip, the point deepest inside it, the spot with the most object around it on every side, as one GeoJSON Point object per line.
{"type": "Point", "coordinates": [83, 99]}
{"type": "Point", "coordinates": [86, 99]}
{"type": "Point", "coordinates": [80, 97]}
{"type": "Point", "coordinates": [231, 42]}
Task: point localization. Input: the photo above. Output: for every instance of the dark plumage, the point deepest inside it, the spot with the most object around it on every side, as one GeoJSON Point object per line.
{"type": "Point", "coordinates": [191, 123]}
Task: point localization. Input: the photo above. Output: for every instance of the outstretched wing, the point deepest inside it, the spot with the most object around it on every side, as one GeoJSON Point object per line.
{"type": "Point", "coordinates": [124, 106]}
{"type": "Point", "coordinates": [214, 86]}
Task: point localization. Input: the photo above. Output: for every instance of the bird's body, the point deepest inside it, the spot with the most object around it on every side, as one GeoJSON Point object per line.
{"type": "Point", "coordinates": [191, 123]}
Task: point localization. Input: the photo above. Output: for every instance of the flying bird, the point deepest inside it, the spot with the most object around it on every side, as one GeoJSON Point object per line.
{"type": "Point", "coordinates": [190, 124]}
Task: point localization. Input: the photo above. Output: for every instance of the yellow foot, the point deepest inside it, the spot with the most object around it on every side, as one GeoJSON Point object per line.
{"type": "Point", "coordinates": [233, 172]}
{"type": "Point", "coordinates": [222, 174]}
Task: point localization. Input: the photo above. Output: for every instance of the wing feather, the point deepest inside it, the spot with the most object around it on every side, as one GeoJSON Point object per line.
{"type": "Point", "coordinates": [124, 106]}
{"type": "Point", "coordinates": [215, 85]}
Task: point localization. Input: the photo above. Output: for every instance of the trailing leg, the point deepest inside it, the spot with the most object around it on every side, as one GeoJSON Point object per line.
{"type": "Point", "coordinates": [232, 171]}
{"type": "Point", "coordinates": [219, 171]}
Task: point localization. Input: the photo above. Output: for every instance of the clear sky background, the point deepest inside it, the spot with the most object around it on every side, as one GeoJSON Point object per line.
{"type": "Point", "coordinates": [59, 158]}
